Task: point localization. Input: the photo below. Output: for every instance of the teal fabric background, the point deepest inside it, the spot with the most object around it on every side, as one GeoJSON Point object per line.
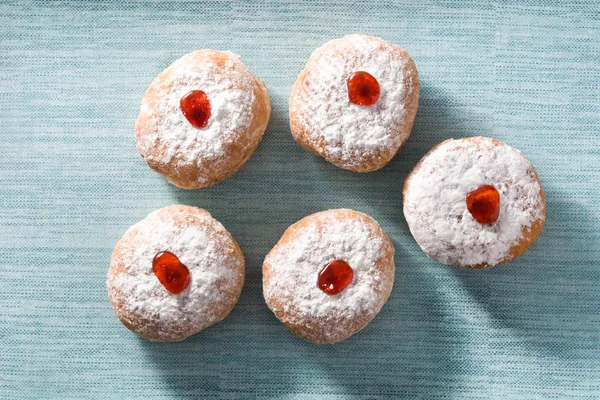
{"type": "Point", "coordinates": [72, 75]}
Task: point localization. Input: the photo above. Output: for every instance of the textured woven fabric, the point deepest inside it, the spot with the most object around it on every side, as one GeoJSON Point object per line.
{"type": "Point", "coordinates": [72, 75]}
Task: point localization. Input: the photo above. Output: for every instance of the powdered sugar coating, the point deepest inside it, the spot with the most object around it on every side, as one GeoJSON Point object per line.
{"type": "Point", "coordinates": [348, 135]}
{"type": "Point", "coordinates": [203, 245]}
{"type": "Point", "coordinates": [291, 272]}
{"type": "Point", "coordinates": [435, 206]}
{"type": "Point", "coordinates": [169, 143]}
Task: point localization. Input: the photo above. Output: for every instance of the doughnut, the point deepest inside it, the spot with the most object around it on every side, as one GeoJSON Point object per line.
{"type": "Point", "coordinates": [202, 118]}
{"type": "Point", "coordinates": [474, 202]}
{"type": "Point", "coordinates": [174, 273]}
{"type": "Point", "coordinates": [355, 101]}
{"type": "Point", "coordinates": [329, 275]}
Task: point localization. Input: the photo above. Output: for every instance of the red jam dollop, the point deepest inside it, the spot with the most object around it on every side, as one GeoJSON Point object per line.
{"type": "Point", "coordinates": [171, 272]}
{"type": "Point", "coordinates": [335, 277]}
{"type": "Point", "coordinates": [484, 204]}
{"type": "Point", "coordinates": [195, 106]}
{"type": "Point", "coordinates": [363, 89]}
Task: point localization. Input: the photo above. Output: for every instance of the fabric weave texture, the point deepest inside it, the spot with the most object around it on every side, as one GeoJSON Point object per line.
{"type": "Point", "coordinates": [72, 75]}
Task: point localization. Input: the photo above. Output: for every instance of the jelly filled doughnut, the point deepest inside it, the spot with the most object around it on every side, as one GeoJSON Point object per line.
{"type": "Point", "coordinates": [329, 275]}
{"type": "Point", "coordinates": [175, 273]}
{"type": "Point", "coordinates": [474, 202]}
{"type": "Point", "coordinates": [202, 118]}
{"type": "Point", "coordinates": [355, 102]}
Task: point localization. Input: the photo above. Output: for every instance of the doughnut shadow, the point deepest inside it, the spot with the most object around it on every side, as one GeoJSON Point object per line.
{"type": "Point", "coordinates": [525, 312]}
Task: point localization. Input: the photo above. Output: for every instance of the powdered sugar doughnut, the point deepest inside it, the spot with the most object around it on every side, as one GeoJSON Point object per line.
{"type": "Point", "coordinates": [329, 275]}
{"type": "Point", "coordinates": [450, 227]}
{"type": "Point", "coordinates": [153, 295]}
{"type": "Point", "coordinates": [325, 121]}
{"type": "Point", "coordinates": [228, 111]}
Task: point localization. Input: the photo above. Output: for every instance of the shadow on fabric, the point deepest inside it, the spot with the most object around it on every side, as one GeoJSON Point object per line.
{"type": "Point", "coordinates": [527, 313]}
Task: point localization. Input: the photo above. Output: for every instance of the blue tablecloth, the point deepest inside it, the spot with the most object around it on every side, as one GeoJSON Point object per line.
{"type": "Point", "coordinates": [71, 78]}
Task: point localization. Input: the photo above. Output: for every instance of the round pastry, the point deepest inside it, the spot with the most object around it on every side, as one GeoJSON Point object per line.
{"type": "Point", "coordinates": [474, 202]}
{"type": "Point", "coordinates": [329, 275]}
{"type": "Point", "coordinates": [175, 273]}
{"type": "Point", "coordinates": [202, 118]}
{"type": "Point", "coordinates": [355, 102]}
